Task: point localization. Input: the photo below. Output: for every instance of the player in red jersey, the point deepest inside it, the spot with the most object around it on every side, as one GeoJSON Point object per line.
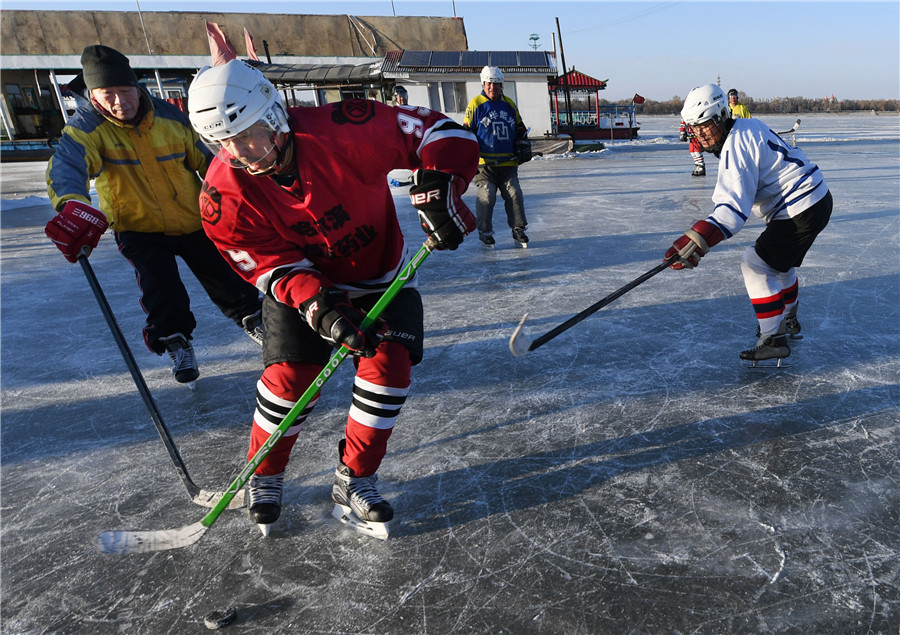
{"type": "Point", "coordinates": [299, 203]}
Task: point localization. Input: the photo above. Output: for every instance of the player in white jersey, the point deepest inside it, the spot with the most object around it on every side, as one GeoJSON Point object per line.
{"type": "Point", "coordinates": [760, 174]}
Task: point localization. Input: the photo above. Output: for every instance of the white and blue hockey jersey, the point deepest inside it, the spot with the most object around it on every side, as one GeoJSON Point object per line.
{"type": "Point", "coordinates": [761, 174]}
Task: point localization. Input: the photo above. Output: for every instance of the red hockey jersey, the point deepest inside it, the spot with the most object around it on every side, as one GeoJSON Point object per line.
{"type": "Point", "coordinates": [337, 224]}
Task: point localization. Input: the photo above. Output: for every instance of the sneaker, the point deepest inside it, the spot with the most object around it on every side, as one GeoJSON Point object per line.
{"type": "Point", "coordinates": [486, 239]}
{"type": "Point", "coordinates": [184, 364]}
{"type": "Point", "coordinates": [768, 347]}
{"type": "Point", "coordinates": [518, 234]}
{"type": "Point", "coordinates": [265, 500]}
{"type": "Point", "coordinates": [253, 326]}
{"type": "Point", "coordinates": [700, 170]}
{"type": "Point", "coordinates": [359, 494]}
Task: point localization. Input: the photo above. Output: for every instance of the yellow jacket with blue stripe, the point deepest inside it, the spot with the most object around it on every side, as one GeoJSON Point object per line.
{"type": "Point", "coordinates": [497, 124]}
{"type": "Point", "coordinates": [147, 176]}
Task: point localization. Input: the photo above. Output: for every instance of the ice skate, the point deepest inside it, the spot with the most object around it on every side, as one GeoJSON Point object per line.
{"type": "Point", "coordinates": [791, 325]}
{"type": "Point", "coordinates": [359, 504]}
{"type": "Point", "coordinates": [252, 325]}
{"type": "Point", "coordinates": [487, 240]}
{"type": "Point", "coordinates": [768, 347]}
{"type": "Point", "coordinates": [265, 500]}
{"type": "Point", "coordinates": [184, 363]}
{"type": "Point", "coordinates": [699, 170]}
{"type": "Point", "coordinates": [518, 234]}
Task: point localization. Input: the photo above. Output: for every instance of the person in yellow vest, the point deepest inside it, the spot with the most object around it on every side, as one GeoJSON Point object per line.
{"type": "Point", "coordinates": [147, 164]}
{"type": "Point", "coordinates": [738, 110]}
{"type": "Point", "coordinates": [496, 121]}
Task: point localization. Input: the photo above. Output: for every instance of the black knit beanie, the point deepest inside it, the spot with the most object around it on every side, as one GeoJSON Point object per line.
{"type": "Point", "coordinates": [104, 67]}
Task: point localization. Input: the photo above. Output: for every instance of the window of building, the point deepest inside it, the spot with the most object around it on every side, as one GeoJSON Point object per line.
{"type": "Point", "coordinates": [454, 94]}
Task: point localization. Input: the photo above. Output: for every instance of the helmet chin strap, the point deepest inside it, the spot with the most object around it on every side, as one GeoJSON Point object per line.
{"type": "Point", "coordinates": [280, 146]}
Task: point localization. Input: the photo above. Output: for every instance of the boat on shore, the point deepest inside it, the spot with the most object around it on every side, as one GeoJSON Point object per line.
{"type": "Point", "coordinates": [27, 149]}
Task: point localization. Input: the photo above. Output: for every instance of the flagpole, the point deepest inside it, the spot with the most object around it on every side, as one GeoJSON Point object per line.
{"type": "Point", "coordinates": [162, 94]}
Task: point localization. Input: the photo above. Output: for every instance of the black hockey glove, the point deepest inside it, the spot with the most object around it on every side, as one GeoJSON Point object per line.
{"type": "Point", "coordinates": [442, 213]}
{"type": "Point", "coordinates": [331, 315]}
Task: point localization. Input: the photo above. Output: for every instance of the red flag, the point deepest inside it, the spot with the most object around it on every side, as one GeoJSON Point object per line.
{"type": "Point", "coordinates": [251, 50]}
{"type": "Point", "coordinates": [637, 99]}
{"type": "Point", "coordinates": [220, 47]}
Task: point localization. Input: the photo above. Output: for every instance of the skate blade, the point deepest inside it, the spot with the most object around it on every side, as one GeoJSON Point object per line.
{"type": "Point", "coordinates": [264, 529]}
{"type": "Point", "coordinates": [192, 385]}
{"type": "Point", "coordinates": [779, 364]}
{"type": "Point", "coordinates": [522, 245]}
{"type": "Point", "coordinates": [346, 516]}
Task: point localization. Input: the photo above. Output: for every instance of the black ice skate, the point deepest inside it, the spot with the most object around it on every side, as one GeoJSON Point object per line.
{"type": "Point", "coordinates": [358, 503]}
{"type": "Point", "coordinates": [487, 240]}
{"type": "Point", "coordinates": [791, 325]}
{"type": "Point", "coordinates": [518, 234]}
{"type": "Point", "coordinates": [768, 347]}
{"type": "Point", "coordinates": [699, 170]}
{"type": "Point", "coordinates": [253, 327]}
{"type": "Point", "coordinates": [265, 500]}
{"type": "Point", "coordinates": [184, 363]}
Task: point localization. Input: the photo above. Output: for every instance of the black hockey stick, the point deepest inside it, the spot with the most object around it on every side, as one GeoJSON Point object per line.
{"type": "Point", "coordinates": [201, 497]}
{"type": "Point", "coordinates": [160, 540]}
{"type": "Point", "coordinates": [792, 130]}
{"type": "Point", "coordinates": [520, 344]}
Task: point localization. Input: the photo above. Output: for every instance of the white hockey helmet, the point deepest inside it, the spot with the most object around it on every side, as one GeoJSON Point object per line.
{"type": "Point", "coordinates": [227, 100]}
{"type": "Point", "coordinates": [492, 75]}
{"type": "Point", "coordinates": [705, 103]}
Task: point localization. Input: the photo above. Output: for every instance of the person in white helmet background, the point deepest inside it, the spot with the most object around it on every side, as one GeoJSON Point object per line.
{"type": "Point", "coordinates": [496, 121]}
{"type": "Point", "coordinates": [298, 201]}
{"type": "Point", "coordinates": [762, 175]}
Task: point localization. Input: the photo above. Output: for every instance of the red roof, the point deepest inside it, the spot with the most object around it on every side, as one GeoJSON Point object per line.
{"type": "Point", "coordinates": [577, 80]}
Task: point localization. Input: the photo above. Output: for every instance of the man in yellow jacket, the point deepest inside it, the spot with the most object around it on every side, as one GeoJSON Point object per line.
{"type": "Point", "coordinates": [147, 164]}
{"type": "Point", "coordinates": [738, 110]}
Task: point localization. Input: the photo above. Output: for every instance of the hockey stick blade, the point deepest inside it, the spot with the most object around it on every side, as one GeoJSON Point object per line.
{"type": "Point", "coordinates": [520, 343]}
{"type": "Point", "coordinates": [793, 128]}
{"type": "Point", "coordinates": [149, 541]}
{"type": "Point", "coordinates": [124, 542]}
{"type": "Point", "coordinates": [206, 498]}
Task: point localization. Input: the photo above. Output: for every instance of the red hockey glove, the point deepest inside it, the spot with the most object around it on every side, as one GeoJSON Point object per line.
{"type": "Point", "coordinates": [442, 213]}
{"type": "Point", "coordinates": [695, 243]}
{"type": "Point", "coordinates": [76, 229]}
{"type": "Point", "coordinates": [331, 315]}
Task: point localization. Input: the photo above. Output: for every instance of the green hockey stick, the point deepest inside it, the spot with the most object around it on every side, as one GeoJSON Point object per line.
{"type": "Point", "coordinates": [161, 540]}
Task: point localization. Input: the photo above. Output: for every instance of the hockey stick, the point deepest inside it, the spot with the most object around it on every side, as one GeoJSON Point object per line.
{"type": "Point", "coordinates": [199, 496]}
{"type": "Point", "coordinates": [160, 540]}
{"type": "Point", "coordinates": [792, 130]}
{"type": "Point", "coordinates": [520, 344]}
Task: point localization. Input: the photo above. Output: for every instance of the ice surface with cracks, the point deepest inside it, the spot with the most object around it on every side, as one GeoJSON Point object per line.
{"type": "Point", "coordinates": [627, 476]}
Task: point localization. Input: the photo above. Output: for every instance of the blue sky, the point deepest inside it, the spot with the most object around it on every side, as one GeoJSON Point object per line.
{"type": "Point", "coordinates": [656, 49]}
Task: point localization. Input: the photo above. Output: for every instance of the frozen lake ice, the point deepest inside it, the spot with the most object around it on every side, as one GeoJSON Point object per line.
{"type": "Point", "coordinates": [628, 476]}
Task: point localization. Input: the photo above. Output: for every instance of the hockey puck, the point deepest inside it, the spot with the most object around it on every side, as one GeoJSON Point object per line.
{"type": "Point", "coordinates": [220, 619]}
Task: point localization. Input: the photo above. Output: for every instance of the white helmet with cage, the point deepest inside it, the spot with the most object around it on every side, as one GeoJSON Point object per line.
{"type": "Point", "coordinates": [491, 75]}
{"type": "Point", "coordinates": [705, 103]}
{"type": "Point", "coordinates": [227, 100]}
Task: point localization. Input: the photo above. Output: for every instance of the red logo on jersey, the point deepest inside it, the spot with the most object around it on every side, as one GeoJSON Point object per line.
{"type": "Point", "coordinates": [210, 204]}
{"type": "Point", "coordinates": [355, 111]}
